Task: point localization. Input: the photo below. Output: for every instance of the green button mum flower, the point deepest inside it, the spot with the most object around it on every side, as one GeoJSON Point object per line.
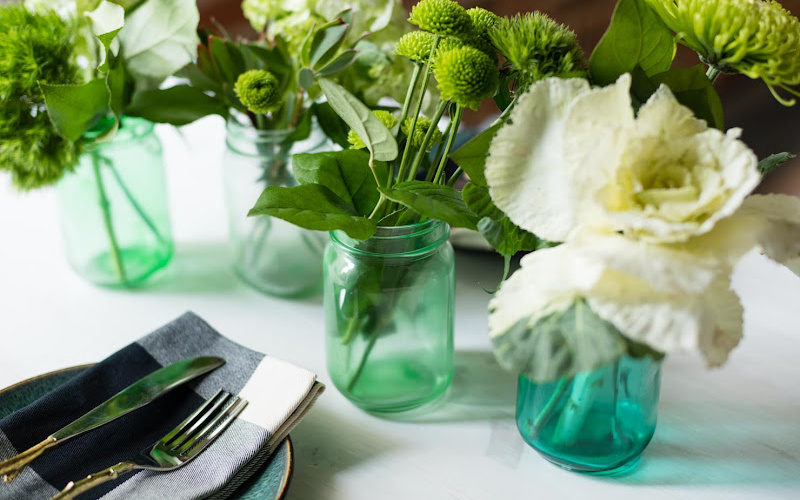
{"type": "Point", "coordinates": [442, 17]}
{"type": "Point", "coordinates": [423, 125]}
{"type": "Point", "coordinates": [754, 37]}
{"type": "Point", "coordinates": [415, 45]}
{"type": "Point", "coordinates": [538, 47]}
{"type": "Point", "coordinates": [384, 116]}
{"type": "Point", "coordinates": [259, 91]}
{"type": "Point", "coordinates": [466, 76]}
{"type": "Point", "coordinates": [482, 20]}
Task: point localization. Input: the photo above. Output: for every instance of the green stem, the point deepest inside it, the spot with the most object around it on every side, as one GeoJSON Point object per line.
{"type": "Point", "coordinates": [363, 362]}
{"type": "Point", "coordinates": [712, 73]}
{"type": "Point", "coordinates": [378, 206]}
{"type": "Point", "coordinates": [412, 174]}
{"type": "Point", "coordinates": [105, 207]}
{"type": "Point", "coordinates": [451, 138]}
{"type": "Point", "coordinates": [261, 121]}
{"type": "Point", "coordinates": [412, 87]}
{"type": "Point", "coordinates": [438, 156]}
{"type": "Point", "coordinates": [454, 178]}
{"type": "Point", "coordinates": [134, 203]}
{"type": "Point", "coordinates": [546, 414]}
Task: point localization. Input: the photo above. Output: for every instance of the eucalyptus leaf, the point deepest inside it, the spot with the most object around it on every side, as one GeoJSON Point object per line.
{"type": "Point", "coordinates": [346, 173]}
{"type": "Point", "coordinates": [559, 345]}
{"type": "Point", "coordinates": [326, 43]}
{"type": "Point", "coordinates": [635, 37]}
{"type": "Point", "coordinates": [159, 38]}
{"type": "Point", "coordinates": [434, 201]}
{"type": "Point", "coordinates": [313, 206]}
{"type": "Point", "coordinates": [376, 136]}
{"type": "Point", "coordinates": [771, 162]}
{"type": "Point", "coordinates": [73, 109]}
{"type": "Point", "coordinates": [306, 78]}
{"type": "Point", "coordinates": [471, 156]}
{"type": "Point", "coordinates": [339, 63]}
{"type": "Point", "coordinates": [177, 105]}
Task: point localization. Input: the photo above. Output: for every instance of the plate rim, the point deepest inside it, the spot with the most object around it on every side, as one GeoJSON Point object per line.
{"type": "Point", "coordinates": [285, 481]}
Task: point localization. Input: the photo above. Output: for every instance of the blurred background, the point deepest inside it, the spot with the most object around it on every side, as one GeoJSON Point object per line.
{"type": "Point", "coordinates": [768, 126]}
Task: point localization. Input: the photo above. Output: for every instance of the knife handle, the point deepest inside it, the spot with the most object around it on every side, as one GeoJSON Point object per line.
{"type": "Point", "coordinates": [73, 489]}
{"type": "Point", "coordinates": [14, 465]}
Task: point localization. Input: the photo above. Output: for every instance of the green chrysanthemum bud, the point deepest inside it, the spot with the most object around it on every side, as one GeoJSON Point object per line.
{"type": "Point", "coordinates": [423, 124]}
{"type": "Point", "coordinates": [384, 116]}
{"type": "Point", "coordinates": [754, 37]}
{"type": "Point", "coordinates": [259, 90]}
{"type": "Point", "coordinates": [466, 76]}
{"type": "Point", "coordinates": [415, 45]}
{"type": "Point", "coordinates": [538, 47]}
{"type": "Point", "coordinates": [441, 17]}
{"type": "Point", "coordinates": [482, 22]}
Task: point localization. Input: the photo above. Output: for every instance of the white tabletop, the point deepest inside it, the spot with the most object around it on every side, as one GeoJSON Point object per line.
{"type": "Point", "coordinates": [728, 433]}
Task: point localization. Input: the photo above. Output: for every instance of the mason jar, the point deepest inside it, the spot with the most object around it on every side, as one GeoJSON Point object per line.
{"type": "Point", "coordinates": [114, 210]}
{"type": "Point", "coordinates": [389, 304]}
{"type": "Point", "coordinates": [598, 421]}
{"type": "Point", "coordinates": [270, 254]}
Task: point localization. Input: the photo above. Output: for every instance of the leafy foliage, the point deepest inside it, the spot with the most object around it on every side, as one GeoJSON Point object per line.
{"type": "Point", "coordinates": [635, 37]}
{"type": "Point", "coordinates": [772, 162]}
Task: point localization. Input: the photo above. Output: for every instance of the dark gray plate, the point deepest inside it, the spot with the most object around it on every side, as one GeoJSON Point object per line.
{"type": "Point", "coordinates": [269, 482]}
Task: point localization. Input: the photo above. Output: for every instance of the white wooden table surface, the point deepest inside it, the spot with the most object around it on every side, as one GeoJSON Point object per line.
{"type": "Point", "coordinates": [722, 434]}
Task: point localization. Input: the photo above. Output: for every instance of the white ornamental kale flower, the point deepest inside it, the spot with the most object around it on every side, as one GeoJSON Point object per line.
{"type": "Point", "coordinates": [654, 209]}
{"type": "Point", "coordinates": [578, 157]}
{"type": "Point", "coordinates": [665, 298]}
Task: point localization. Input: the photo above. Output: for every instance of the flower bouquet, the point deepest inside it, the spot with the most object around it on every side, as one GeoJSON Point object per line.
{"type": "Point", "coordinates": [68, 72]}
{"type": "Point", "coordinates": [650, 202]}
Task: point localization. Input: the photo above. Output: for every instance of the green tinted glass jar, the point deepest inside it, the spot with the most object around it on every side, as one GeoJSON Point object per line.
{"type": "Point", "coordinates": [598, 421]}
{"type": "Point", "coordinates": [270, 254]}
{"type": "Point", "coordinates": [389, 304]}
{"type": "Point", "coordinates": [114, 209]}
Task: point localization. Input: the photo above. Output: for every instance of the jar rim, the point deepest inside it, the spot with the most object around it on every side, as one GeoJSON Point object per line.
{"type": "Point", "coordinates": [389, 233]}
{"type": "Point", "coordinates": [236, 124]}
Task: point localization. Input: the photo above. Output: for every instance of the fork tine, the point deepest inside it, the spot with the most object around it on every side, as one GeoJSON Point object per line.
{"type": "Point", "coordinates": [213, 429]}
{"type": "Point", "coordinates": [199, 423]}
{"type": "Point", "coordinates": [191, 419]}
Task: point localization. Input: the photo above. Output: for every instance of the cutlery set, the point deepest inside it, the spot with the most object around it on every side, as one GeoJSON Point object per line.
{"type": "Point", "coordinates": [175, 449]}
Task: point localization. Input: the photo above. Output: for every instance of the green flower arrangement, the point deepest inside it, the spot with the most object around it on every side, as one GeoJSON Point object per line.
{"type": "Point", "coordinates": [441, 17]}
{"type": "Point", "coordinates": [258, 90]}
{"type": "Point", "coordinates": [34, 47]}
{"type": "Point", "coordinates": [466, 76]}
{"type": "Point", "coordinates": [757, 38]}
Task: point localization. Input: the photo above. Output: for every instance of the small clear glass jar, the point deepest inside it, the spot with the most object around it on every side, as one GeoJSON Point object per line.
{"type": "Point", "coordinates": [389, 304]}
{"type": "Point", "coordinates": [270, 254]}
{"type": "Point", "coordinates": [114, 209]}
{"type": "Point", "coordinates": [598, 421]}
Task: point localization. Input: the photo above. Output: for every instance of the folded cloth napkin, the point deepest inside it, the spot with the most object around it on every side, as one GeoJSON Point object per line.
{"type": "Point", "coordinates": [279, 395]}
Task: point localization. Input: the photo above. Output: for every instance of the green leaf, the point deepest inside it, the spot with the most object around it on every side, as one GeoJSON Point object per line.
{"type": "Point", "coordinates": [73, 109]}
{"type": "Point", "coordinates": [313, 207]}
{"type": "Point", "coordinates": [326, 43]}
{"type": "Point", "coordinates": [471, 156]}
{"type": "Point", "coordinates": [158, 39]}
{"type": "Point", "coordinates": [433, 201]}
{"type": "Point", "coordinates": [635, 37]}
{"type": "Point", "coordinates": [497, 229]}
{"type": "Point", "coordinates": [346, 173]}
{"type": "Point", "coordinates": [376, 136]}
{"type": "Point", "coordinates": [106, 20]}
{"type": "Point", "coordinates": [339, 63]}
{"type": "Point", "coordinates": [559, 345]}
{"type": "Point", "coordinates": [693, 89]}
{"type": "Point", "coordinates": [334, 127]}
{"type": "Point", "coordinates": [268, 58]}
{"type": "Point", "coordinates": [227, 57]}
{"type": "Point", "coordinates": [177, 105]}
{"type": "Point", "coordinates": [771, 162]}
{"type": "Point", "coordinates": [305, 78]}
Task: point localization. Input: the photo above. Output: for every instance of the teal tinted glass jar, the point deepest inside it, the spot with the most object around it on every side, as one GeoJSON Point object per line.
{"type": "Point", "coordinates": [270, 254]}
{"type": "Point", "coordinates": [114, 209]}
{"type": "Point", "coordinates": [389, 304]}
{"type": "Point", "coordinates": [599, 421]}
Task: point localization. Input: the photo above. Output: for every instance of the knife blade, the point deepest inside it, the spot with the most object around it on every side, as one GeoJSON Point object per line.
{"type": "Point", "coordinates": [136, 395]}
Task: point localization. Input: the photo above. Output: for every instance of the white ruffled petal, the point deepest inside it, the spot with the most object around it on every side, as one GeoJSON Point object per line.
{"type": "Point", "coordinates": [663, 115]}
{"type": "Point", "coordinates": [779, 228]}
{"type": "Point", "coordinates": [726, 314]}
{"type": "Point", "coordinates": [525, 169]}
